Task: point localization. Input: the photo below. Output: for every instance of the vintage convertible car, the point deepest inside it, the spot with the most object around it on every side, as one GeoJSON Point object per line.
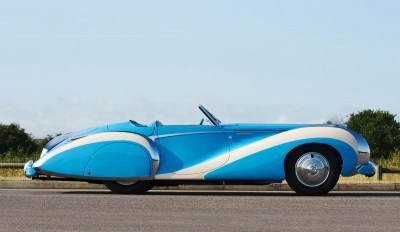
{"type": "Point", "coordinates": [132, 158]}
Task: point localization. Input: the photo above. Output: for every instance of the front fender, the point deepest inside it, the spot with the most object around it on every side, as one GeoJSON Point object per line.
{"type": "Point", "coordinates": [120, 160]}
{"type": "Point", "coordinates": [115, 155]}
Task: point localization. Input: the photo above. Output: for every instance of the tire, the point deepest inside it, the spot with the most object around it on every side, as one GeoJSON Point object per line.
{"type": "Point", "coordinates": [313, 170]}
{"type": "Point", "coordinates": [128, 187]}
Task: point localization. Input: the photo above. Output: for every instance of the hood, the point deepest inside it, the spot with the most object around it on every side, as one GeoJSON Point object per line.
{"type": "Point", "coordinates": [130, 126]}
{"type": "Point", "coordinates": [59, 140]}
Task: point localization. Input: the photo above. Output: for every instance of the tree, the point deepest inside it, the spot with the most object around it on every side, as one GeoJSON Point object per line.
{"type": "Point", "coordinates": [13, 138]}
{"type": "Point", "coordinates": [338, 120]}
{"type": "Point", "coordinates": [379, 128]}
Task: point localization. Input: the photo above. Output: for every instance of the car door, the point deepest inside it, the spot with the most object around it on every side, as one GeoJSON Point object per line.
{"type": "Point", "coordinates": [248, 159]}
{"type": "Point", "coordinates": [191, 149]}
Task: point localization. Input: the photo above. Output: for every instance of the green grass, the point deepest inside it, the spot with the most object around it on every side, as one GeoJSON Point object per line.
{"type": "Point", "coordinates": [364, 179]}
{"type": "Point", "coordinates": [18, 157]}
{"type": "Point", "coordinates": [15, 157]}
{"type": "Point", "coordinates": [392, 162]}
{"type": "Point", "coordinates": [8, 172]}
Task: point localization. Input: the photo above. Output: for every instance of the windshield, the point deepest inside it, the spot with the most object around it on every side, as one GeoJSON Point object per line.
{"type": "Point", "coordinates": [210, 116]}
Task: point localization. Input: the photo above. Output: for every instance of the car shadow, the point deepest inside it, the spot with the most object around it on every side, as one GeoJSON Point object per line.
{"type": "Point", "coordinates": [235, 193]}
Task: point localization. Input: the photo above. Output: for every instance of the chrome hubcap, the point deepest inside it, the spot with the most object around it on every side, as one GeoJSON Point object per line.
{"type": "Point", "coordinates": [126, 182]}
{"type": "Point", "coordinates": [312, 169]}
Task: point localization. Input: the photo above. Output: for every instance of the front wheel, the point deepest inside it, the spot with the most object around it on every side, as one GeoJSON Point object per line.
{"type": "Point", "coordinates": [128, 187]}
{"type": "Point", "coordinates": [313, 170]}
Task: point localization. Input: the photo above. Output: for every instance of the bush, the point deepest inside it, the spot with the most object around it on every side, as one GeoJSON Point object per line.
{"type": "Point", "coordinates": [14, 140]}
{"type": "Point", "coordinates": [379, 128]}
{"type": "Point", "coordinates": [393, 161]}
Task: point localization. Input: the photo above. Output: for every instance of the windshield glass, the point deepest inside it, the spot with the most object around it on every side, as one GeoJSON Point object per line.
{"type": "Point", "coordinates": [210, 116]}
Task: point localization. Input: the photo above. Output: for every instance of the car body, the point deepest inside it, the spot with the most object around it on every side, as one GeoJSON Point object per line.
{"type": "Point", "coordinates": [129, 157]}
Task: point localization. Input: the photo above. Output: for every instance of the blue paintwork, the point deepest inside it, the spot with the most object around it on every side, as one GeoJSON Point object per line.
{"type": "Point", "coordinates": [61, 140]}
{"type": "Point", "coordinates": [130, 127]}
{"type": "Point", "coordinates": [264, 165]}
{"type": "Point", "coordinates": [28, 169]}
{"type": "Point", "coordinates": [116, 127]}
{"type": "Point", "coordinates": [239, 139]}
{"type": "Point", "coordinates": [268, 127]}
{"type": "Point", "coordinates": [367, 169]}
{"type": "Point", "coordinates": [116, 160]}
{"type": "Point", "coordinates": [72, 162]}
{"type": "Point", "coordinates": [182, 129]}
{"type": "Point", "coordinates": [103, 159]}
{"type": "Point", "coordinates": [181, 147]}
{"type": "Point", "coordinates": [193, 145]}
{"type": "Point", "coordinates": [269, 164]}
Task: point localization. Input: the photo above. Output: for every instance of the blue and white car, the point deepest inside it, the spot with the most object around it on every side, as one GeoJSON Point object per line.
{"type": "Point", "coordinates": [129, 157]}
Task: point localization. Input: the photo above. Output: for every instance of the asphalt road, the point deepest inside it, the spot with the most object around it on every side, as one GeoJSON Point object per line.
{"type": "Point", "coordinates": [58, 210]}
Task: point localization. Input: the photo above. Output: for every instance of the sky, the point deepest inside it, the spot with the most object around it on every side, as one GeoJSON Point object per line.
{"type": "Point", "coordinates": [70, 65]}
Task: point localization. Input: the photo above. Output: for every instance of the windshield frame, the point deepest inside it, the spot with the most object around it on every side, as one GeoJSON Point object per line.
{"type": "Point", "coordinates": [214, 120]}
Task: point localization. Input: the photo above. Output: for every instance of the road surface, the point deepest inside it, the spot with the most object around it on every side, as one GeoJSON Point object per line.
{"type": "Point", "coordinates": [69, 210]}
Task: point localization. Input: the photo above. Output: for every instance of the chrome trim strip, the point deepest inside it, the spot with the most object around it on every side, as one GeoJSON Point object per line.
{"type": "Point", "coordinates": [187, 133]}
{"type": "Point", "coordinates": [155, 158]}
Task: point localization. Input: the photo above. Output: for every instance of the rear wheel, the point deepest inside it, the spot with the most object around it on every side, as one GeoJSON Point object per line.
{"type": "Point", "coordinates": [128, 187]}
{"type": "Point", "coordinates": [313, 170]}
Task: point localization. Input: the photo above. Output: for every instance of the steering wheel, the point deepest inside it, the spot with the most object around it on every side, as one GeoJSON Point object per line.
{"type": "Point", "coordinates": [202, 121]}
